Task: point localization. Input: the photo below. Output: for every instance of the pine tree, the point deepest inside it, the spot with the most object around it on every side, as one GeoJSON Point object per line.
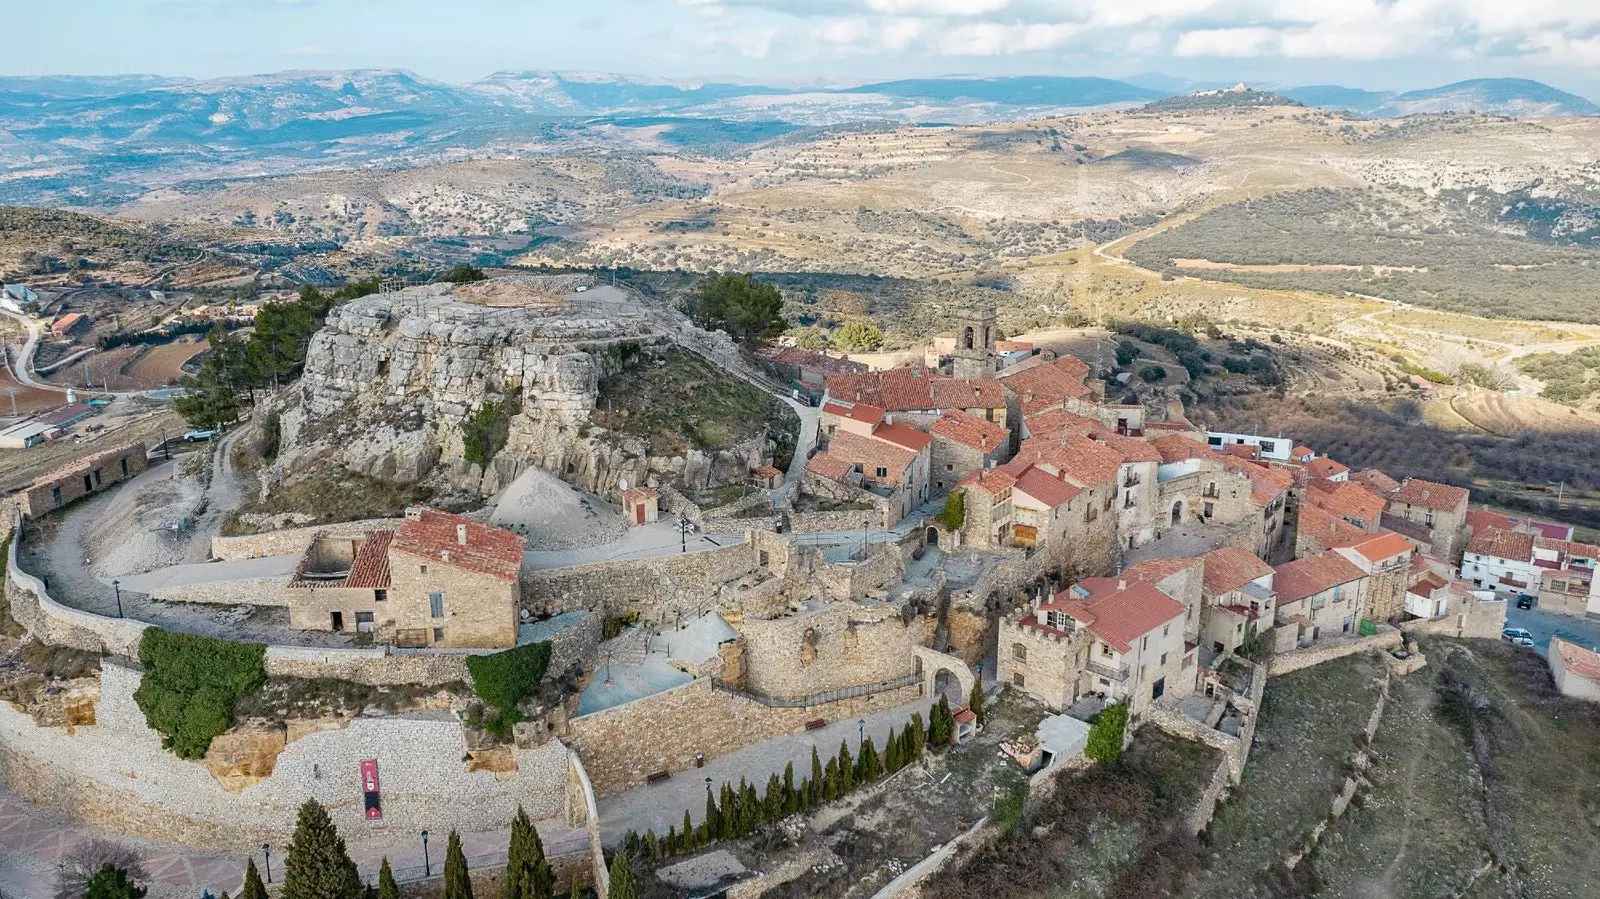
{"type": "Point", "coordinates": [791, 802]}
{"type": "Point", "coordinates": [622, 886]}
{"type": "Point", "coordinates": [528, 873]}
{"type": "Point", "coordinates": [847, 769]}
{"type": "Point", "coordinates": [111, 882]}
{"type": "Point", "coordinates": [457, 882]}
{"type": "Point", "coordinates": [253, 887]}
{"type": "Point", "coordinates": [387, 888]}
{"type": "Point", "coordinates": [318, 867]}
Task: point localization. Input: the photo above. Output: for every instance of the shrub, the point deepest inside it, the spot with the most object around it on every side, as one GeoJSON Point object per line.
{"type": "Point", "coordinates": [504, 679]}
{"type": "Point", "coordinates": [1153, 373]}
{"type": "Point", "coordinates": [858, 336]}
{"type": "Point", "coordinates": [954, 513]}
{"type": "Point", "coordinates": [462, 274]}
{"type": "Point", "coordinates": [190, 685]}
{"type": "Point", "coordinates": [1105, 734]}
{"type": "Point", "coordinates": [486, 431]}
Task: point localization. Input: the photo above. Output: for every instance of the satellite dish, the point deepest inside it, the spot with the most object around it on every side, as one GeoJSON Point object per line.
{"type": "Point", "coordinates": [622, 484]}
{"type": "Point", "coordinates": [524, 614]}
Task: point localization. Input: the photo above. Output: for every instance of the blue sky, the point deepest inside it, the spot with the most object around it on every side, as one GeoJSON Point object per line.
{"type": "Point", "coordinates": [1365, 43]}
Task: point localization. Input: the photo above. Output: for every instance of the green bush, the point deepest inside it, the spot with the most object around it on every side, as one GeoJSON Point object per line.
{"type": "Point", "coordinates": [504, 679]}
{"type": "Point", "coordinates": [1105, 733]}
{"type": "Point", "coordinates": [954, 513]}
{"type": "Point", "coordinates": [1153, 373]}
{"type": "Point", "coordinates": [486, 431]}
{"type": "Point", "coordinates": [462, 274]}
{"type": "Point", "coordinates": [190, 685]}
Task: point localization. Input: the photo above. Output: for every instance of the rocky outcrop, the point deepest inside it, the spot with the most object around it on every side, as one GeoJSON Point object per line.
{"type": "Point", "coordinates": [392, 379]}
{"type": "Point", "coordinates": [246, 755]}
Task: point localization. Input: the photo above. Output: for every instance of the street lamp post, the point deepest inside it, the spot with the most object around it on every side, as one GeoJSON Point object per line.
{"type": "Point", "coordinates": [427, 865]}
{"type": "Point", "coordinates": [865, 524]}
{"type": "Point", "coordinates": [861, 734]}
{"type": "Point", "coordinates": [683, 532]}
{"type": "Point", "coordinates": [266, 856]}
{"type": "Point", "coordinates": [117, 586]}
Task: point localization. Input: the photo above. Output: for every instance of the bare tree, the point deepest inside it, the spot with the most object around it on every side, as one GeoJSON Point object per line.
{"type": "Point", "coordinates": [87, 856]}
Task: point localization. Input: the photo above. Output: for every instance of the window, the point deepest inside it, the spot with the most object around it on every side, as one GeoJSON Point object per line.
{"type": "Point", "coordinates": [422, 569]}
{"type": "Point", "coordinates": [1428, 519]}
{"type": "Point", "coordinates": [1019, 652]}
{"type": "Point", "coordinates": [883, 472]}
{"type": "Point", "coordinates": [438, 635]}
{"type": "Point", "coordinates": [949, 467]}
{"type": "Point", "coordinates": [763, 561]}
{"type": "Point", "coordinates": [1166, 630]}
{"type": "Point", "coordinates": [55, 496]}
{"type": "Point", "coordinates": [1211, 510]}
{"type": "Point", "coordinates": [1158, 688]}
{"type": "Point", "coordinates": [1268, 446]}
{"type": "Point", "coordinates": [436, 604]}
{"type": "Point", "coordinates": [1144, 643]}
{"type": "Point", "coordinates": [1104, 682]}
{"type": "Point", "coordinates": [1338, 593]}
{"type": "Point", "coordinates": [1018, 679]}
{"type": "Point", "coordinates": [1164, 660]}
{"type": "Point", "coordinates": [1105, 650]}
{"type": "Point", "coordinates": [124, 467]}
{"type": "Point", "coordinates": [380, 596]}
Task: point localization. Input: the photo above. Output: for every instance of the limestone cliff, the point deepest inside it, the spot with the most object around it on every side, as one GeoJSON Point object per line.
{"type": "Point", "coordinates": [392, 378]}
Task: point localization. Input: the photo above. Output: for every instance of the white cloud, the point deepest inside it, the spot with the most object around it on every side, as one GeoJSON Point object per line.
{"type": "Point", "coordinates": [989, 39]}
{"type": "Point", "coordinates": [1225, 42]}
{"type": "Point", "coordinates": [937, 7]}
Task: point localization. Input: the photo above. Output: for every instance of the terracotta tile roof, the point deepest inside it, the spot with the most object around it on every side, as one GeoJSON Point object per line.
{"type": "Point", "coordinates": [1478, 519]}
{"type": "Point", "coordinates": [970, 430]}
{"type": "Point", "coordinates": [1156, 570]}
{"type": "Point", "coordinates": [864, 412]}
{"type": "Point", "coordinates": [1351, 502]}
{"type": "Point", "coordinates": [1081, 460]}
{"type": "Point", "coordinates": [830, 467]}
{"type": "Point", "coordinates": [1241, 451]}
{"type": "Point", "coordinates": [1577, 660]}
{"type": "Point", "coordinates": [1328, 530]}
{"type": "Point", "coordinates": [1374, 480]}
{"type": "Point", "coordinates": [635, 495]}
{"type": "Point", "coordinates": [1176, 448]}
{"type": "Point", "coordinates": [1230, 568]}
{"type": "Point", "coordinates": [767, 471]}
{"type": "Point", "coordinates": [902, 436]}
{"type": "Point", "coordinates": [1311, 575]}
{"type": "Point", "coordinates": [1046, 488]}
{"type": "Point", "coordinates": [1007, 346]}
{"type": "Point", "coordinates": [430, 534]}
{"type": "Point", "coordinates": [1500, 544]}
{"type": "Point", "coordinates": [914, 389]}
{"type": "Point", "coordinates": [1568, 547]}
{"type": "Point", "coordinates": [1132, 449]}
{"type": "Point", "coordinates": [871, 454]}
{"type": "Point", "coordinates": [66, 322]}
{"type": "Point", "coordinates": [1323, 468]}
{"type": "Point", "coordinates": [1119, 617]}
{"type": "Point", "coordinates": [991, 481]}
{"type": "Point", "coordinates": [371, 566]}
{"type": "Point", "coordinates": [1301, 451]}
{"type": "Point", "coordinates": [815, 360]}
{"type": "Point", "coordinates": [964, 715]}
{"type": "Point", "coordinates": [1037, 378]}
{"type": "Point", "coordinates": [1429, 495]}
{"type": "Point", "coordinates": [1383, 546]}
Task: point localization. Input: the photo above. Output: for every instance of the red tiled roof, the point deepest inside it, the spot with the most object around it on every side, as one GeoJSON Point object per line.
{"type": "Point", "coordinates": [954, 393]}
{"type": "Point", "coordinates": [429, 534]}
{"type": "Point", "coordinates": [635, 495]}
{"type": "Point", "coordinates": [1006, 346]}
{"type": "Point", "coordinates": [1241, 451]}
{"type": "Point", "coordinates": [964, 715]}
{"type": "Point", "coordinates": [1383, 546]}
{"type": "Point", "coordinates": [767, 471]}
{"type": "Point", "coordinates": [371, 566]}
{"type": "Point", "coordinates": [1429, 495]}
{"type": "Point", "coordinates": [1119, 617]}
{"type": "Point", "coordinates": [1501, 544]}
{"type": "Point", "coordinates": [1351, 502]}
{"type": "Point", "coordinates": [1568, 547]}
{"type": "Point", "coordinates": [1323, 468]}
{"type": "Point", "coordinates": [1328, 530]}
{"type": "Point", "coordinates": [1157, 570]}
{"type": "Point", "coordinates": [914, 388]}
{"type": "Point", "coordinates": [66, 322]}
{"type": "Point", "coordinates": [1478, 519]}
{"type": "Point", "coordinates": [1374, 480]}
{"type": "Point", "coordinates": [1037, 378]}
{"type": "Point", "coordinates": [1299, 451]}
{"type": "Point", "coordinates": [1230, 568]}
{"type": "Point", "coordinates": [1576, 660]}
{"type": "Point", "coordinates": [1046, 488]}
{"type": "Point", "coordinates": [1311, 575]}
{"type": "Point", "coordinates": [1176, 448]}
{"type": "Point", "coordinates": [970, 430]}
{"type": "Point", "coordinates": [1081, 460]}
{"type": "Point", "coordinates": [991, 481]}
{"type": "Point", "coordinates": [863, 412]}
{"type": "Point", "coordinates": [871, 454]}
{"type": "Point", "coordinates": [812, 359]}
{"type": "Point", "coordinates": [902, 436]}
{"type": "Point", "coordinates": [831, 467]}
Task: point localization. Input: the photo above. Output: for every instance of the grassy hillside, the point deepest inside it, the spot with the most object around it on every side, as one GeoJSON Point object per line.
{"type": "Point", "coordinates": [678, 401]}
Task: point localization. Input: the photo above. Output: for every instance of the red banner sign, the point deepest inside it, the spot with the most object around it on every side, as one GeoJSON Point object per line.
{"type": "Point", "coordinates": [369, 789]}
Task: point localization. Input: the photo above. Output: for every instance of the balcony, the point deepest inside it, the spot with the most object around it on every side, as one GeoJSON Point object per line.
{"type": "Point", "coordinates": [1211, 493]}
{"type": "Point", "coordinates": [1118, 673]}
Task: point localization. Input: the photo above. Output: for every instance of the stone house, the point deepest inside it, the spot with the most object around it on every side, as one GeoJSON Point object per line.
{"type": "Point", "coordinates": [1319, 597]}
{"type": "Point", "coordinates": [1136, 477]}
{"type": "Point", "coordinates": [1317, 530]}
{"type": "Point", "coordinates": [869, 450]}
{"type": "Point", "coordinates": [962, 445]}
{"type": "Point", "coordinates": [916, 396]}
{"type": "Point", "coordinates": [1192, 484]}
{"type": "Point", "coordinates": [1502, 561]}
{"type": "Point", "coordinates": [1386, 559]}
{"type": "Point", "coordinates": [807, 370]}
{"type": "Point", "coordinates": [438, 580]}
{"type": "Point", "coordinates": [1352, 503]}
{"type": "Point", "coordinates": [1440, 508]}
{"type": "Point", "coordinates": [641, 505]}
{"type": "Point", "coordinates": [1327, 470]}
{"type": "Point", "coordinates": [1575, 669]}
{"type": "Point", "coordinates": [1238, 598]}
{"type": "Point", "coordinates": [1559, 572]}
{"type": "Point", "coordinates": [1183, 579]}
{"type": "Point", "coordinates": [76, 480]}
{"type": "Point", "coordinates": [1105, 637]}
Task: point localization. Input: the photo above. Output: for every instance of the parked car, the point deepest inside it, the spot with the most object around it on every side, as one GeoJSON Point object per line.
{"type": "Point", "coordinates": [1524, 601]}
{"type": "Point", "coordinates": [1517, 635]}
{"type": "Point", "coordinates": [196, 436]}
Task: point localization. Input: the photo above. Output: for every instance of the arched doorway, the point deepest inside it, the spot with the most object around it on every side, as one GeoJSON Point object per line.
{"type": "Point", "coordinates": [946, 684]}
{"type": "Point", "coordinates": [1177, 513]}
{"type": "Point", "coordinates": [966, 339]}
{"type": "Point", "coordinates": [933, 537]}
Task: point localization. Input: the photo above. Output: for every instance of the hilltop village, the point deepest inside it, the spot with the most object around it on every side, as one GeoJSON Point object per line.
{"type": "Point", "coordinates": [978, 527]}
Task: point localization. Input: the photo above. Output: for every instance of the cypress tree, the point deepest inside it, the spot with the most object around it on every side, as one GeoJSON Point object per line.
{"type": "Point", "coordinates": [652, 844]}
{"type": "Point", "coordinates": [669, 843]}
{"type": "Point", "coordinates": [318, 867]}
{"type": "Point", "coordinates": [622, 886]}
{"type": "Point", "coordinates": [253, 887]}
{"type": "Point", "coordinates": [830, 780]}
{"type": "Point", "coordinates": [457, 882]}
{"type": "Point", "coordinates": [975, 701]}
{"type": "Point", "coordinates": [891, 753]}
{"type": "Point", "coordinates": [713, 822]}
{"type": "Point", "coordinates": [387, 888]}
{"type": "Point", "coordinates": [749, 808]}
{"type": "Point", "coordinates": [818, 782]}
{"type": "Point", "coordinates": [916, 738]}
{"type": "Point", "coordinates": [730, 811]}
{"type": "Point", "coordinates": [869, 767]}
{"type": "Point", "coordinates": [772, 802]}
{"type": "Point", "coordinates": [940, 724]}
{"type": "Point", "coordinates": [687, 832]}
{"type": "Point", "coordinates": [791, 803]}
{"type": "Point", "coordinates": [847, 769]}
{"type": "Point", "coordinates": [528, 872]}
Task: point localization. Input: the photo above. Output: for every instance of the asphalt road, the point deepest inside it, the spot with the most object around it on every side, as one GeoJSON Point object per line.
{"type": "Point", "coordinates": [1543, 625]}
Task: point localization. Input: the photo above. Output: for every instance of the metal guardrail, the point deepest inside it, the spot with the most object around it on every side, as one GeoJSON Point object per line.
{"type": "Point", "coordinates": [1115, 673]}
{"type": "Point", "coordinates": [817, 699]}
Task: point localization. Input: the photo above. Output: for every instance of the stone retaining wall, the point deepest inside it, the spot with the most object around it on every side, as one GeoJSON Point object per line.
{"type": "Point", "coordinates": [264, 591]}
{"type": "Point", "coordinates": [1294, 660]}
{"type": "Point", "coordinates": [658, 588]}
{"type": "Point", "coordinates": [291, 540]}
{"type": "Point", "coordinates": [376, 667]}
{"type": "Point", "coordinates": [577, 643]}
{"type": "Point", "coordinates": [57, 625]}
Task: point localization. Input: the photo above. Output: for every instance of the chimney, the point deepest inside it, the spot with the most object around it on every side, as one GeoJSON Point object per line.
{"type": "Point", "coordinates": [461, 534]}
{"type": "Point", "coordinates": [444, 555]}
{"type": "Point", "coordinates": [413, 513]}
{"type": "Point", "coordinates": [1122, 584]}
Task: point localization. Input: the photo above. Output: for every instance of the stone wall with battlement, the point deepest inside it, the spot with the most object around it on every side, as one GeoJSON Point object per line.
{"type": "Point", "coordinates": [841, 645]}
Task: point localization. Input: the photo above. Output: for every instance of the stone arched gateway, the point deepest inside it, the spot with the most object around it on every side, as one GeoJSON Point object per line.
{"type": "Point", "coordinates": [1177, 513]}
{"type": "Point", "coordinates": [939, 670]}
{"type": "Point", "coordinates": [932, 536]}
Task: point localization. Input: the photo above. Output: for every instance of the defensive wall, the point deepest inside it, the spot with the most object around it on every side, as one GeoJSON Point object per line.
{"type": "Point", "coordinates": [1386, 639]}
{"type": "Point", "coordinates": [292, 540]}
{"type": "Point", "coordinates": [838, 646]}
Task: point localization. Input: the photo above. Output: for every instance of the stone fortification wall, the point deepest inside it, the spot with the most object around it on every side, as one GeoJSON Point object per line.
{"type": "Point", "coordinates": [377, 667]}
{"type": "Point", "coordinates": [659, 588]}
{"type": "Point", "coordinates": [264, 591]}
{"type": "Point", "coordinates": [848, 521]}
{"type": "Point", "coordinates": [1284, 662]}
{"type": "Point", "coordinates": [292, 540]}
{"type": "Point", "coordinates": [115, 773]}
{"type": "Point", "coordinates": [622, 746]}
{"type": "Point", "coordinates": [58, 625]}
{"type": "Point", "coordinates": [577, 643]}
{"type": "Point", "coordinates": [839, 646]}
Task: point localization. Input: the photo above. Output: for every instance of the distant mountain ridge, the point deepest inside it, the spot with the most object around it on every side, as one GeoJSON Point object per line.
{"type": "Point", "coordinates": [1501, 96]}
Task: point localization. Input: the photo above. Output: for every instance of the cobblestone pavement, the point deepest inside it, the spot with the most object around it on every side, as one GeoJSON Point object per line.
{"type": "Point", "coordinates": [662, 805]}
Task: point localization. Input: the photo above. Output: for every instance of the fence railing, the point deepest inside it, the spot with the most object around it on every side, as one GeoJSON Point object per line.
{"type": "Point", "coordinates": [1116, 673]}
{"type": "Point", "coordinates": [824, 698]}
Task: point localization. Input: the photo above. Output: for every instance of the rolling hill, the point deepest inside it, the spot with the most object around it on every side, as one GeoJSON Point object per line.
{"type": "Point", "coordinates": [1501, 96]}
